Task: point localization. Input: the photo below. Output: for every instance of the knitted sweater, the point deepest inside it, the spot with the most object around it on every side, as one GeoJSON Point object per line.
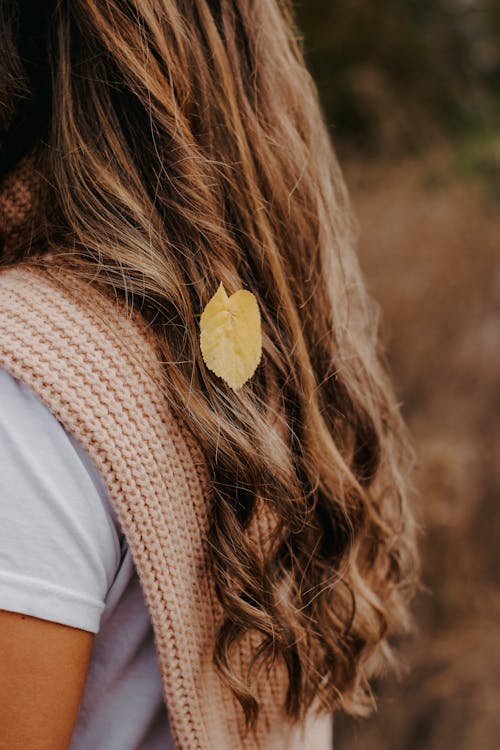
{"type": "Point", "coordinates": [96, 367]}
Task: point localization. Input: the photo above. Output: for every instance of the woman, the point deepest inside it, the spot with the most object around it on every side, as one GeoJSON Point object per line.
{"type": "Point", "coordinates": [185, 562]}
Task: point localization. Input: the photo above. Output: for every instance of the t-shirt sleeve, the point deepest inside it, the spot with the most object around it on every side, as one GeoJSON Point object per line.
{"type": "Point", "coordinates": [59, 543]}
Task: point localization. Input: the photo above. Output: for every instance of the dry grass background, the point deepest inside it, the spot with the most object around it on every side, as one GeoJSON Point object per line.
{"type": "Point", "coordinates": [429, 247]}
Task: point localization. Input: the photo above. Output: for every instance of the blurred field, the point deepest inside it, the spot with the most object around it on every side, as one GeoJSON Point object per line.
{"type": "Point", "coordinates": [410, 91]}
{"type": "Point", "coordinates": [429, 241]}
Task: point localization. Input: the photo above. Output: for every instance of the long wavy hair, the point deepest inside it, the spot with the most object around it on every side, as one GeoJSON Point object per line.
{"type": "Point", "coordinates": [181, 143]}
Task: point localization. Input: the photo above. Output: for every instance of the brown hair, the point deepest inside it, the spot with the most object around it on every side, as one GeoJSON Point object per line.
{"type": "Point", "coordinates": [183, 145]}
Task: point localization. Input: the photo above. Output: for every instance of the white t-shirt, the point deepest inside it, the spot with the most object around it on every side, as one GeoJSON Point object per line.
{"type": "Point", "coordinates": [63, 557]}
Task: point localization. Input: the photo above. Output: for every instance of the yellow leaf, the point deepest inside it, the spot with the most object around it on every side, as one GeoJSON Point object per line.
{"type": "Point", "coordinates": [230, 336]}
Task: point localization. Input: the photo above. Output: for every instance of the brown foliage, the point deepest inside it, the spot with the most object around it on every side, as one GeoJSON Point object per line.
{"type": "Point", "coordinates": [429, 245]}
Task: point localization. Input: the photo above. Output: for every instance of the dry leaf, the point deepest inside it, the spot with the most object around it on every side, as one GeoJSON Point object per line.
{"type": "Point", "coordinates": [230, 336]}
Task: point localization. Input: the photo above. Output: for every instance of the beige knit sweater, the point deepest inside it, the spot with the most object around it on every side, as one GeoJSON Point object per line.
{"type": "Point", "coordinates": [94, 365]}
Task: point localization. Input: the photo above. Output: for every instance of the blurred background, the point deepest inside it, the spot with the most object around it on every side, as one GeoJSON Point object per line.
{"type": "Point", "coordinates": [410, 89]}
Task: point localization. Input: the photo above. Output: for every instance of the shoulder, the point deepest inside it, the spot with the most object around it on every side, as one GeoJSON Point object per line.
{"type": "Point", "coordinates": [24, 418]}
{"type": "Point", "coordinates": [70, 339]}
{"type": "Point", "coordinates": [90, 361]}
{"type": "Point", "coordinates": [49, 302]}
{"type": "Point", "coordinates": [53, 336]}
{"type": "Point", "coordinates": [96, 367]}
{"type": "Point", "coordinates": [59, 542]}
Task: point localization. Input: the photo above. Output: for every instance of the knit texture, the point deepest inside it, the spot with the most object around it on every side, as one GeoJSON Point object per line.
{"type": "Point", "coordinates": [95, 364]}
{"type": "Point", "coordinates": [20, 194]}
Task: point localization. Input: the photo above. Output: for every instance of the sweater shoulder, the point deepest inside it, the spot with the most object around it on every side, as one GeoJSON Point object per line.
{"type": "Point", "coordinates": [70, 341]}
{"type": "Point", "coordinates": [41, 293]}
{"type": "Point", "coordinates": [49, 309]}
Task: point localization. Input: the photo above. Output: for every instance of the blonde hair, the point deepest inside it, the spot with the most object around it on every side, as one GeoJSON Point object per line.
{"type": "Point", "coordinates": [186, 146]}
